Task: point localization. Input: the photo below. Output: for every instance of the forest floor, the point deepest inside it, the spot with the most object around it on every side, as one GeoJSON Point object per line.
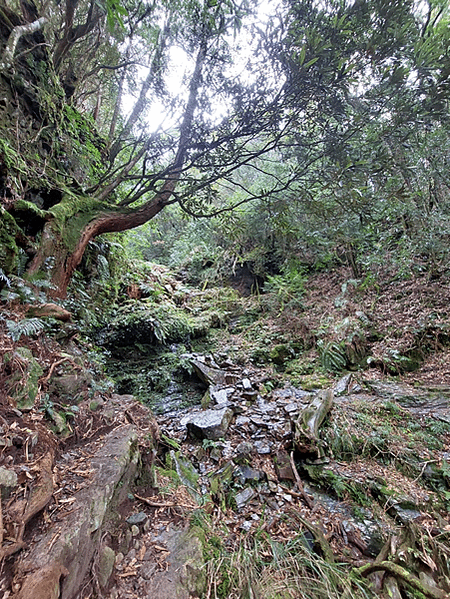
{"type": "Point", "coordinates": [402, 326]}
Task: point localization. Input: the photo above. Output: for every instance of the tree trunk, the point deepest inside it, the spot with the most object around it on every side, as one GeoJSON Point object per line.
{"type": "Point", "coordinates": [63, 243]}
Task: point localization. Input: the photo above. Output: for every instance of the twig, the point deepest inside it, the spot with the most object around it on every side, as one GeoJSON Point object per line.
{"type": "Point", "coordinates": [157, 504]}
{"type": "Point", "coordinates": [52, 368]}
{"type": "Point", "coordinates": [318, 535]}
{"type": "Point", "coordinates": [425, 464]}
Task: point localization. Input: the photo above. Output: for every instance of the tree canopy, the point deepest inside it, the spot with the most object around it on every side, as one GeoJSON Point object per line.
{"type": "Point", "coordinates": [336, 111]}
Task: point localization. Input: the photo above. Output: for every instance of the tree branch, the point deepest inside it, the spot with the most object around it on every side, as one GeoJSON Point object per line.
{"type": "Point", "coordinates": [19, 31]}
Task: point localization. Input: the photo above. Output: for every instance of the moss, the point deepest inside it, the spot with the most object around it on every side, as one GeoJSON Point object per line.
{"type": "Point", "coordinates": [280, 353]}
{"type": "Point", "coordinates": [23, 384]}
{"type": "Point", "coordinates": [9, 250]}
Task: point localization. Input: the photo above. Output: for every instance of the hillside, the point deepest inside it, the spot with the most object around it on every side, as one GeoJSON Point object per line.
{"type": "Point", "coordinates": [353, 505]}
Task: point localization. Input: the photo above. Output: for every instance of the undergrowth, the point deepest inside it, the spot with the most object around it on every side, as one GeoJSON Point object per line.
{"type": "Point", "coordinates": [263, 568]}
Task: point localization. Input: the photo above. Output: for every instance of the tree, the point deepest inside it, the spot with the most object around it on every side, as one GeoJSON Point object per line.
{"type": "Point", "coordinates": [321, 79]}
{"type": "Point", "coordinates": [126, 180]}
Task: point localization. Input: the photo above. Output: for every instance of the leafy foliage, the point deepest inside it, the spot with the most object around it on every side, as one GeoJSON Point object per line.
{"type": "Point", "coordinates": [28, 327]}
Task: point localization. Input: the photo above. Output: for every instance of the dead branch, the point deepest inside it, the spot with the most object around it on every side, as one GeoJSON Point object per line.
{"type": "Point", "coordinates": [309, 502]}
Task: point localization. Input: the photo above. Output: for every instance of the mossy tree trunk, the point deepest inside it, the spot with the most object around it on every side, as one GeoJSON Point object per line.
{"type": "Point", "coordinates": [64, 238]}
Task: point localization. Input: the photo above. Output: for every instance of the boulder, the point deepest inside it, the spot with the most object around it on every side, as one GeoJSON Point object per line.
{"type": "Point", "coordinates": [185, 576]}
{"type": "Point", "coordinates": [67, 548]}
{"type": "Point", "coordinates": [210, 424]}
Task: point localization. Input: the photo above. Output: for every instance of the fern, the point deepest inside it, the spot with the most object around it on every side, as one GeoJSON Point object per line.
{"type": "Point", "coordinates": [27, 327]}
{"type": "Point", "coordinates": [332, 355]}
{"type": "Point", "coordinates": [4, 279]}
{"type": "Point", "coordinates": [103, 268]}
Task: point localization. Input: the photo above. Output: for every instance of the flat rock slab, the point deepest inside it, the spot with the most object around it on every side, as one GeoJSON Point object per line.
{"type": "Point", "coordinates": [210, 424]}
{"type": "Point", "coordinates": [185, 576]}
{"type": "Point", "coordinates": [67, 549]}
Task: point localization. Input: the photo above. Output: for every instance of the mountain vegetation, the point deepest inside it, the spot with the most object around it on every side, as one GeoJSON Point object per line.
{"type": "Point", "coordinates": [319, 131]}
{"type": "Point", "coordinates": [234, 207]}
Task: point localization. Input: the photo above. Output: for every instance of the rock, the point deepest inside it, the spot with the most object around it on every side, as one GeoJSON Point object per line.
{"type": "Point", "coordinates": [247, 474]}
{"type": "Point", "coordinates": [68, 547]}
{"type": "Point", "coordinates": [212, 376]}
{"type": "Point", "coordinates": [185, 576]}
{"type": "Point", "coordinates": [70, 387]}
{"type": "Point", "coordinates": [135, 530]}
{"type": "Point", "coordinates": [49, 311]}
{"type": "Point", "coordinates": [341, 387]}
{"type": "Point", "coordinates": [210, 424]}
{"type": "Point", "coordinates": [246, 385]}
{"type": "Point", "coordinates": [262, 447]}
{"type": "Point", "coordinates": [8, 480]}
{"type": "Point", "coordinates": [243, 451]}
{"type": "Point", "coordinates": [106, 561]}
{"type": "Point", "coordinates": [22, 385]}
{"type": "Point", "coordinates": [242, 421]}
{"type": "Point", "coordinates": [187, 474]}
{"type": "Point", "coordinates": [218, 396]}
{"type": "Point", "coordinates": [404, 515]}
{"type": "Point", "coordinates": [138, 518]}
{"type": "Point", "coordinates": [244, 497]}
{"type": "Point", "coordinates": [283, 466]}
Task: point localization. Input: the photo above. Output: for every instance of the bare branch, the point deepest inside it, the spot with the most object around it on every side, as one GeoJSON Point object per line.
{"type": "Point", "coordinates": [19, 31]}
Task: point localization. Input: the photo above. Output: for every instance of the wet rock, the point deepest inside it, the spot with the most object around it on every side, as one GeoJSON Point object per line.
{"type": "Point", "coordinates": [210, 424]}
{"type": "Point", "coordinates": [404, 515]}
{"type": "Point", "coordinates": [138, 518]}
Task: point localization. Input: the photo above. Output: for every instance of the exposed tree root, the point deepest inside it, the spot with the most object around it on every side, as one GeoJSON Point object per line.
{"type": "Point", "coordinates": [403, 576]}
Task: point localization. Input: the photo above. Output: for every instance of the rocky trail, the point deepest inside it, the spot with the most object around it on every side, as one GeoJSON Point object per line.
{"type": "Point", "coordinates": [359, 471]}
{"type": "Point", "coordinates": [260, 473]}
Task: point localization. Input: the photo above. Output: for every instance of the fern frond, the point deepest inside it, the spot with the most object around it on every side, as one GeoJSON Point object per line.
{"type": "Point", "coordinates": [26, 327]}
{"type": "Point", "coordinates": [332, 355]}
{"type": "Point", "coordinates": [4, 279]}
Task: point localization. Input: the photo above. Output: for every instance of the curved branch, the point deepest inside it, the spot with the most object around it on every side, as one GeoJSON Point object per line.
{"type": "Point", "coordinates": [18, 32]}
